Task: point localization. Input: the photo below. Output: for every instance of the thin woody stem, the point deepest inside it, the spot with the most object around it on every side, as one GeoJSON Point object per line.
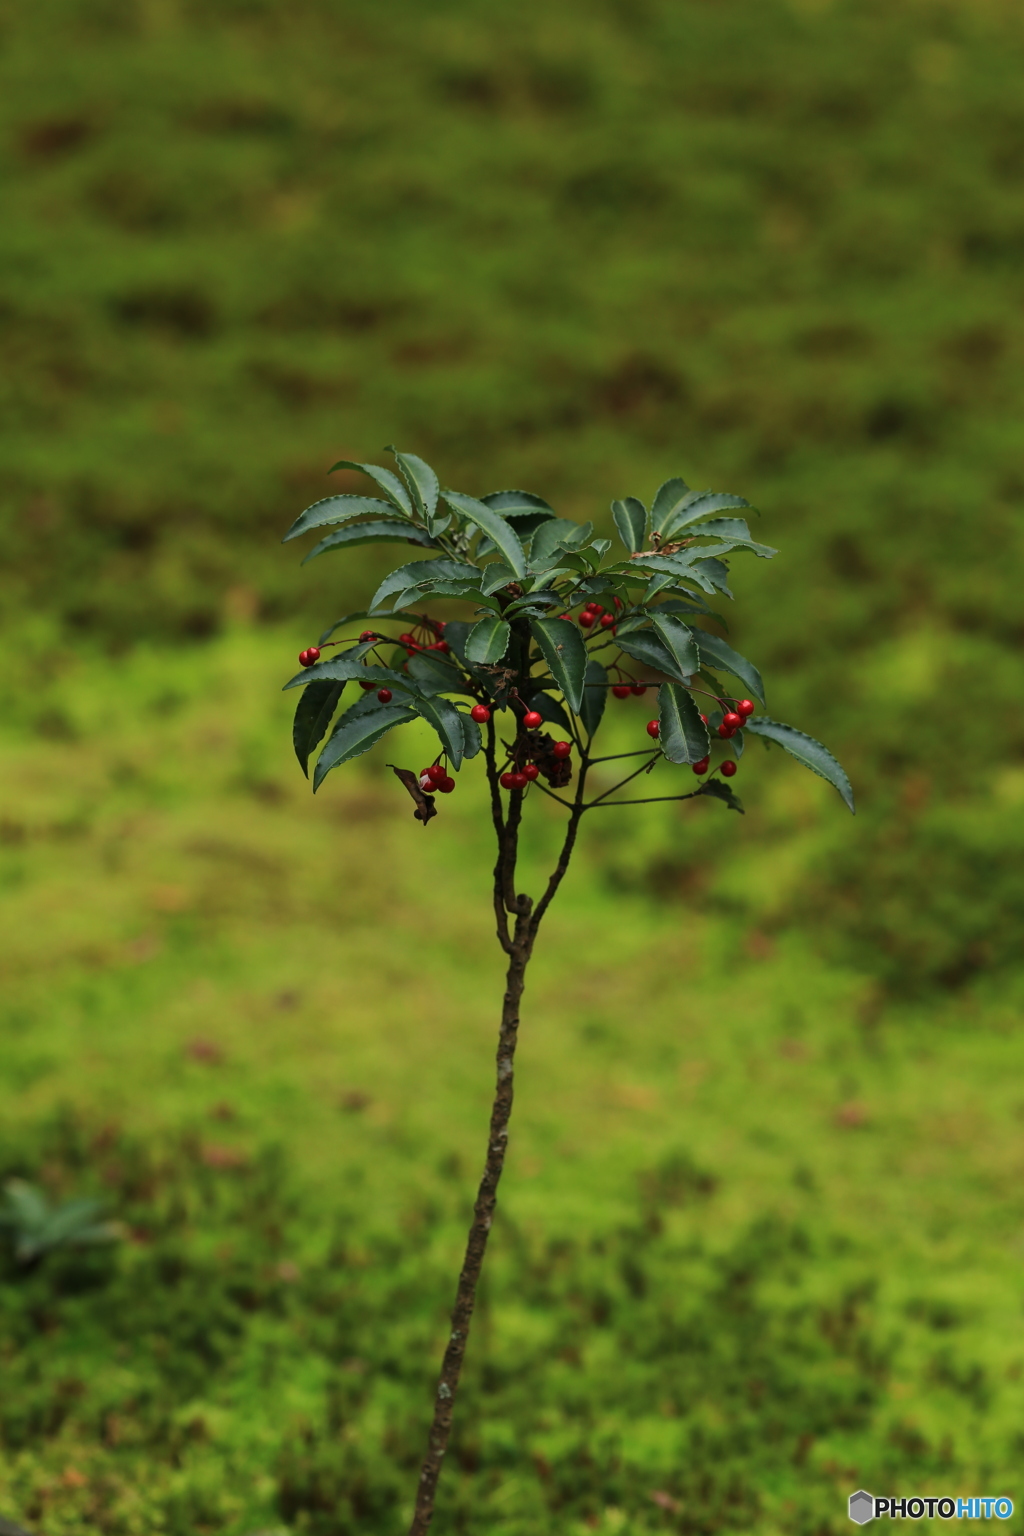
{"type": "Point", "coordinates": [622, 782]}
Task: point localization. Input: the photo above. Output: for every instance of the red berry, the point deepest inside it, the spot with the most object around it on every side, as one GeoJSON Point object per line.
{"type": "Point", "coordinates": [531, 772]}
{"type": "Point", "coordinates": [438, 645]}
{"type": "Point", "coordinates": [595, 608]}
{"type": "Point", "coordinates": [732, 720]}
{"type": "Point", "coordinates": [705, 719]}
{"type": "Point", "coordinates": [702, 766]}
{"type": "Point", "coordinates": [446, 785]}
{"type": "Point", "coordinates": [745, 707]}
{"type": "Point", "coordinates": [518, 780]}
{"type": "Point", "coordinates": [653, 728]}
{"type": "Point", "coordinates": [366, 683]}
{"type": "Point", "coordinates": [532, 719]}
{"type": "Point", "coordinates": [566, 616]}
{"type": "Point", "coordinates": [406, 639]}
{"type": "Point", "coordinates": [307, 658]}
{"type": "Point", "coordinates": [621, 690]}
{"type": "Point", "coordinates": [724, 731]}
{"type": "Point", "coordinates": [367, 634]}
{"type": "Point", "coordinates": [383, 694]}
{"type": "Point", "coordinates": [437, 773]}
{"type": "Point", "coordinates": [505, 781]}
{"type": "Point", "coordinates": [729, 767]}
{"type": "Point", "coordinates": [638, 689]}
{"type": "Point", "coordinates": [480, 713]}
{"type": "Point", "coordinates": [617, 601]}
{"type": "Point", "coordinates": [608, 622]}
{"type": "Point", "coordinates": [587, 618]}
{"type": "Point", "coordinates": [561, 749]}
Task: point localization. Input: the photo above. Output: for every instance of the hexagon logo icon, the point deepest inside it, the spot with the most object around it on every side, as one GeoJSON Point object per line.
{"type": "Point", "coordinates": [862, 1507]}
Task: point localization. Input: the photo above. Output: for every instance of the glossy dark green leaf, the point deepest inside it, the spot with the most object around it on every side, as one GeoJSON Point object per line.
{"type": "Point", "coordinates": [421, 480]}
{"type": "Point", "coordinates": [421, 570]}
{"type": "Point", "coordinates": [336, 509]}
{"type": "Point", "coordinates": [717, 653]}
{"type": "Point", "coordinates": [548, 537]}
{"type": "Point", "coordinates": [669, 499]}
{"type": "Point", "coordinates": [457, 632]}
{"type": "Point", "coordinates": [712, 576]}
{"type": "Point", "coordinates": [370, 533]}
{"type": "Point", "coordinates": [722, 528]}
{"type": "Point", "coordinates": [562, 647]}
{"type": "Point", "coordinates": [649, 649]}
{"type": "Point", "coordinates": [684, 736]}
{"type": "Point", "coordinates": [471, 737]}
{"type": "Point", "coordinates": [552, 711]}
{"type": "Point", "coordinates": [680, 642]}
{"type": "Point", "coordinates": [495, 577]}
{"type": "Point", "coordinates": [630, 518]}
{"type": "Point", "coordinates": [433, 672]}
{"type": "Point", "coordinates": [313, 714]}
{"type": "Point", "coordinates": [414, 597]}
{"type": "Point", "coordinates": [447, 722]}
{"type": "Point", "coordinates": [524, 510]}
{"type": "Point", "coordinates": [595, 696]}
{"type": "Point", "coordinates": [336, 669]}
{"type": "Point", "coordinates": [807, 751]}
{"type": "Point", "coordinates": [488, 641]}
{"type": "Point", "coordinates": [388, 481]}
{"type": "Point", "coordinates": [501, 534]}
{"type": "Point", "coordinates": [697, 505]}
{"type": "Point", "coordinates": [355, 733]}
{"type": "Point", "coordinates": [717, 789]}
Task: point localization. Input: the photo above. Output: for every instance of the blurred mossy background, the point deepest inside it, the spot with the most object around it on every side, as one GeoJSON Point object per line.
{"type": "Point", "coordinates": [761, 1236]}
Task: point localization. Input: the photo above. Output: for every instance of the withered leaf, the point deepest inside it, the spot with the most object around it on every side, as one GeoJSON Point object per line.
{"type": "Point", "coordinates": [424, 803]}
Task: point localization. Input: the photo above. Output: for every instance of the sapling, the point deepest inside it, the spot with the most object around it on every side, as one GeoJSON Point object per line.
{"type": "Point", "coordinates": [559, 620]}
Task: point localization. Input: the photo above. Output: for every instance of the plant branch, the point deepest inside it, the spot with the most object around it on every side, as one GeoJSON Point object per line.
{"type": "Point", "coordinates": [621, 784]}
{"type": "Point", "coordinates": [568, 844]}
{"type": "Point", "coordinates": [604, 805]}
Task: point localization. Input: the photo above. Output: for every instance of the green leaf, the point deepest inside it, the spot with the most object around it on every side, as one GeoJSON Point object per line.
{"type": "Point", "coordinates": [684, 736]}
{"type": "Point", "coordinates": [501, 534]}
{"type": "Point", "coordinates": [457, 632]}
{"type": "Point", "coordinates": [552, 711]}
{"type": "Point", "coordinates": [651, 650]}
{"type": "Point", "coordinates": [488, 642]}
{"type": "Point", "coordinates": [370, 533]}
{"type": "Point", "coordinates": [359, 728]}
{"type": "Point", "coordinates": [722, 528]}
{"type": "Point", "coordinates": [549, 536]}
{"type": "Point", "coordinates": [595, 697]}
{"type": "Point", "coordinates": [717, 653]}
{"type": "Point", "coordinates": [522, 508]}
{"type": "Point", "coordinates": [335, 509]}
{"type": "Point", "coordinates": [313, 714]}
{"type": "Point", "coordinates": [697, 505]}
{"type": "Point", "coordinates": [434, 673]}
{"type": "Point", "coordinates": [346, 618]}
{"type": "Point", "coordinates": [414, 597]}
{"type": "Point", "coordinates": [388, 481]}
{"type": "Point", "coordinates": [421, 570]}
{"type": "Point", "coordinates": [679, 640]}
{"type": "Point", "coordinates": [666, 505]}
{"type": "Point", "coordinates": [712, 575]}
{"type": "Point", "coordinates": [807, 751]}
{"type": "Point", "coordinates": [562, 648]}
{"type": "Point", "coordinates": [472, 739]}
{"type": "Point", "coordinates": [421, 480]}
{"type": "Point", "coordinates": [717, 789]}
{"type": "Point", "coordinates": [447, 722]}
{"type": "Point", "coordinates": [338, 669]}
{"type": "Point", "coordinates": [495, 577]}
{"type": "Point", "coordinates": [630, 518]}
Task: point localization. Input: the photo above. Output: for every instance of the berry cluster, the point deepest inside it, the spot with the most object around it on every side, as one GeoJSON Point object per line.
{"type": "Point", "coordinates": [543, 756]}
{"type": "Point", "coordinates": [623, 690]}
{"type": "Point", "coordinates": [732, 720]}
{"type": "Point", "coordinates": [309, 658]}
{"type": "Point", "coordinates": [436, 780]}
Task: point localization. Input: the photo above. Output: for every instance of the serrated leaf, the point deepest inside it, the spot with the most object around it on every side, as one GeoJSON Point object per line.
{"type": "Point", "coordinates": [548, 537]}
{"type": "Point", "coordinates": [646, 647]}
{"type": "Point", "coordinates": [630, 517]}
{"type": "Point", "coordinates": [471, 737]}
{"type": "Point", "coordinates": [697, 505]}
{"type": "Point", "coordinates": [684, 736]}
{"type": "Point", "coordinates": [501, 534]}
{"type": "Point", "coordinates": [370, 533]}
{"type": "Point", "coordinates": [407, 576]}
{"type": "Point", "coordinates": [722, 528]}
{"type": "Point", "coordinates": [807, 751]}
{"type": "Point", "coordinates": [313, 714]}
{"type": "Point", "coordinates": [716, 789]}
{"type": "Point", "coordinates": [356, 732]}
{"type": "Point", "coordinates": [338, 669]}
{"type": "Point", "coordinates": [562, 647]}
{"type": "Point", "coordinates": [601, 548]}
{"type": "Point", "coordinates": [413, 597]}
{"type": "Point", "coordinates": [495, 577]}
{"type": "Point", "coordinates": [552, 711]}
{"type": "Point", "coordinates": [388, 481]}
{"type": "Point", "coordinates": [680, 642]}
{"type": "Point", "coordinates": [521, 507]}
{"type": "Point", "coordinates": [719, 654]}
{"type": "Point", "coordinates": [421, 480]}
{"type": "Point", "coordinates": [447, 722]}
{"type": "Point", "coordinates": [434, 673]}
{"type": "Point", "coordinates": [666, 505]}
{"type": "Point", "coordinates": [488, 642]}
{"type": "Point", "coordinates": [712, 576]}
{"type": "Point", "coordinates": [457, 632]}
{"type": "Point", "coordinates": [595, 697]}
{"type": "Point", "coordinates": [335, 509]}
